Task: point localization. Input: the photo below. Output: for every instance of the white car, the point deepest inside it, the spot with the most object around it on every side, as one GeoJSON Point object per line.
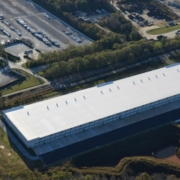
{"type": "Point", "coordinates": [47, 16]}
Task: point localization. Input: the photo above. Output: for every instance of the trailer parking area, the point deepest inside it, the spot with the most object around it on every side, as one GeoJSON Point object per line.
{"type": "Point", "coordinates": [35, 18]}
{"type": "Point", "coordinates": [147, 13]}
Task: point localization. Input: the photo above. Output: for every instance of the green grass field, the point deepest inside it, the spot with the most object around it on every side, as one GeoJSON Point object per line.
{"type": "Point", "coordinates": [163, 30]}
{"type": "Point", "coordinates": [10, 160]}
{"type": "Point", "coordinates": [29, 82]}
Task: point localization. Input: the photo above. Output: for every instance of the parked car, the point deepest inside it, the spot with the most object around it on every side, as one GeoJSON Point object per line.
{"type": "Point", "coordinates": [12, 28]}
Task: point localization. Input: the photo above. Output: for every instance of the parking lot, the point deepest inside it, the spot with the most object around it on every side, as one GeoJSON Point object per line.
{"type": "Point", "coordinates": [150, 13]}
{"type": "Point", "coordinates": [91, 17]}
{"type": "Point", "coordinates": [173, 5]}
{"type": "Point", "coordinates": [23, 19]}
{"type": "Point", "coordinates": [16, 49]}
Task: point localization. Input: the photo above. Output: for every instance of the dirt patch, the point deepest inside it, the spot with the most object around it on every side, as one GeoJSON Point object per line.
{"type": "Point", "coordinates": [1, 147]}
{"type": "Point", "coordinates": [168, 154]}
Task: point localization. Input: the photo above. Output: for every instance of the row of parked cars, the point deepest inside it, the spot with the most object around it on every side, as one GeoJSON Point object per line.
{"type": "Point", "coordinates": [38, 33]}
{"type": "Point", "coordinates": [72, 37]}
{"type": "Point", "coordinates": [10, 27]}
{"type": "Point", "coordinates": [2, 17]}
{"type": "Point", "coordinates": [139, 19]}
{"type": "Point", "coordinates": [5, 32]}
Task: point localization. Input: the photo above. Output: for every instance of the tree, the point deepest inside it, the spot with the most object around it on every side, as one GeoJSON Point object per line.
{"type": "Point", "coordinates": [6, 101]}
{"type": "Point", "coordinates": [146, 52]}
{"type": "Point", "coordinates": [164, 41]}
{"type": "Point", "coordinates": [172, 177]}
{"type": "Point", "coordinates": [1, 101]}
{"type": "Point", "coordinates": [143, 176]}
{"type": "Point", "coordinates": [135, 36]}
{"type": "Point", "coordinates": [131, 57]}
{"type": "Point", "coordinates": [15, 100]}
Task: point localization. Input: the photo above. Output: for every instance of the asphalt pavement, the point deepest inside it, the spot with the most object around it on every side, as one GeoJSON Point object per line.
{"type": "Point", "coordinates": [35, 17]}
{"type": "Point", "coordinates": [61, 21]}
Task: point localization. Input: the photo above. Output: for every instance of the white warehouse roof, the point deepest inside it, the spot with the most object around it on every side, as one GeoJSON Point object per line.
{"type": "Point", "coordinates": [64, 112]}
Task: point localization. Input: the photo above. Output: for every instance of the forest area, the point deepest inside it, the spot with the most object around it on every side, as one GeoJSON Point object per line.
{"type": "Point", "coordinates": [105, 52]}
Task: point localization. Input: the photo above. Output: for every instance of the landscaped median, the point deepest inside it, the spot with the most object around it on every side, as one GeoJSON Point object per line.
{"type": "Point", "coordinates": [163, 30]}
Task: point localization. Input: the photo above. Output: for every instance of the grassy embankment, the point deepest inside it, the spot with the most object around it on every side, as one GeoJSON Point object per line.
{"type": "Point", "coordinates": [11, 163]}
{"type": "Point", "coordinates": [163, 30]}
{"type": "Point", "coordinates": [93, 162]}
{"type": "Point", "coordinates": [29, 82]}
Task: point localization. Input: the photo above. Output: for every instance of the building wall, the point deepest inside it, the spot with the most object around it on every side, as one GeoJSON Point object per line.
{"type": "Point", "coordinates": [27, 143]}
{"type": "Point", "coordinates": [109, 119]}
{"type": "Point", "coordinates": [115, 117]}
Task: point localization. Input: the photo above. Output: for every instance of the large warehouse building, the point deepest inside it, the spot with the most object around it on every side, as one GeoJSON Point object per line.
{"type": "Point", "coordinates": [42, 122]}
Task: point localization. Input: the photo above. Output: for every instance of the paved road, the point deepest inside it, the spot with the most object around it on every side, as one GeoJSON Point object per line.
{"type": "Point", "coordinates": [109, 137]}
{"type": "Point", "coordinates": [18, 66]}
{"type": "Point", "coordinates": [106, 30]}
{"type": "Point", "coordinates": [114, 4]}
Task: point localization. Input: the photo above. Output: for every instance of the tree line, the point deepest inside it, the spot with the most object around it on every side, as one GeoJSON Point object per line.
{"type": "Point", "coordinates": [109, 42]}
{"type": "Point", "coordinates": [74, 5]}
{"type": "Point", "coordinates": [133, 52]}
{"type": "Point", "coordinates": [175, 56]}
